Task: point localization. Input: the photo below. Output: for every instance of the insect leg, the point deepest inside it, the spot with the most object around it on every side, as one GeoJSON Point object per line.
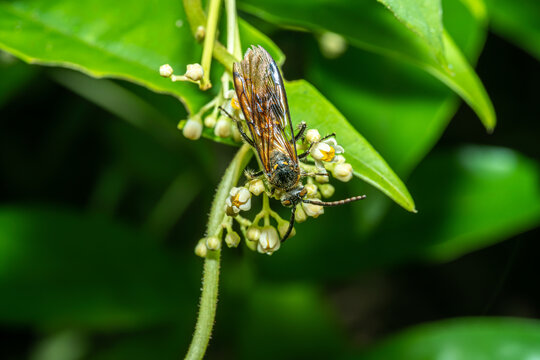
{"type": "Point", "coordinates": [240, 129]}
{"type": "Point", "coordinates": [301, 129]}
{"type": "Point", "coordinates": [253, 175]}
{"type": "Point", "coordinates": [291, 224]}
{"type": "Point", "coordinates": [328, 136]}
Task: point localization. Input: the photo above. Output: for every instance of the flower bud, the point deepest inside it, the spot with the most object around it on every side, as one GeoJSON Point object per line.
{"type": "Point", "coordinates": [339, 159]}
{"type": "Point", "coordinates": [321, 179]}
{"type": "Point", "coordinates": [311, 190]}
{"type": "Point", "coordinates": [253, 233]}
{"type": "Point", "coordinates": [223, 127]}
{"type": "Point", "coordinates": [282, 229]}
{"type": "Point", "coordinates": [300, 216]}
{"type": "Point", "coordinates": [210, 121]}
{"type": "Point", "coordinates": [313, 136]}
{"type": "Point", "coordinates": [166, 70]}
{"type": "Point", "coordinates": [313, 210]}
{"type": "Point", "coordinates": [327, 190]}
{"type": "Point", "coordinates": [194, 72]}
{"type": "Point", "coordinates": [213, 243]}
{"type": "Point", "coordinates": [236, 133]}
{"type": "Point", "coordinates": [201, 249]}
{"type": "Point", "coordinates": [232, 239]}
{"type": "Point", "coordinates": [343, 172]}
{"type": "Point", "coordinates": [256, 187]}
{"type": "Point", "coordinates": [332, 45]}
{"type": "Point", "coordinates": [268, 241]}
{"type": "Point", "coordinates": [192, 129]}
{"type": "Point", "coordinates": [200, 33]}
{"type": "Point", "coordinates": [229, 94]}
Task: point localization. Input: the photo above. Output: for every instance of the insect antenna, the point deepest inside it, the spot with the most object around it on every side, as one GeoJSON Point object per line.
{"type": "Point", "coordinates": [334, 203]}
{"type": "Point", "coordinates": [291, 224]}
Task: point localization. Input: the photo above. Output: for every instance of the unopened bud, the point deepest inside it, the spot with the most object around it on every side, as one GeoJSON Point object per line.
{"type": "Point", "coordinates": [200, 33]}
{"type": "Point", "coordinates": [213, 243]}
{"type": "Point", "coordinates": [236, 133]}
{"type": "Point", "coordinates": [343, 172]}
{"type": "Point", "coordinates": [269, 241]}
{"type": "Point", "coordinates": [201, 249]}
{"type": "Point", "coordinates": [300, 215]}
{"type": "Point", "coordinates": [166, 70]}
{"type": "Point", "coordinates": [282, 229]}
{"type": "Point", "coordinates": [327, 190]}
{"type": "Point", "coordinates": [192, 129]}
{"type": "Point", "coordinates": [210, 121]}
{"type": "Point", "coordinates": [194, 72]}
{"type": "Point", "coordinates": [312, 136]}
{"type": "Point", "coordinates": [253, 233]}
{"type": "Point", "coordinates": [313, 210]}
{"type": "Point", "coordinates": [311, 190]}
{"type": "Point", "coordinates": [256, 187]}
{"type": "Point", "coordinates": [232, 239]}
{"type": "Point", "coordinates": [322, 179]}
{"type": "Point", "coordinates": [223, 127]}
{"type": "Point", "coordinates": [332, 45]}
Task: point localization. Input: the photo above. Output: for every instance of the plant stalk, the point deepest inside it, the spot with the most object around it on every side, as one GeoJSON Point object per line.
{"type": "Point", "coordinates": [209, 295]}
{"type": "Point", "coordinates": [209, 40]}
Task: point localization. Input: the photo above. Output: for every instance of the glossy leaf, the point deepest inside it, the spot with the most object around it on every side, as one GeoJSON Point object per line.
{"type": "Point", "coordinates": [463, 339]}
{"type": "Point", "coordinates": [307, 104]}
{"type": "Point", "coordinates": [518, 22]}
{"type": "Point", "coordinates": [368, 25]}
{"type": "Point", "coordinates": [129, 40]}
{"type": "Point", "coordinates": [424, 17]}
{"type": "Point", "coordinates": [60, 268]}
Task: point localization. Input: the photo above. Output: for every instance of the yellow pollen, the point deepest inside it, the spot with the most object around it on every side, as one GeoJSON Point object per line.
{"type": "Point", "coordinates": [235, 104]}
{"type": "Point", "coordinates": [328, 155]}
{"type": "Point", "coordinates": [285, 163]}
{"type": "Point", "coordinates": [235, 201]}
{"type": "Point", "coordinates": [275, 166]}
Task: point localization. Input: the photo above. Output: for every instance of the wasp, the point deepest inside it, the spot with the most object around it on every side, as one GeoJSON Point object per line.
{"type": "Point", "coordinates": [262, 98]}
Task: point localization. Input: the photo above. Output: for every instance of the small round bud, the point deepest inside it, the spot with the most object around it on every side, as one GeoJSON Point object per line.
{"type": "Point", "coordinates": [201, 249]}
{"type": "Point", "coordinates": [339, 159]}
{"type": "Point", "coordinates": [253, 233]}
{"type": "Point", "coordinates": [213, 243]}
{"type": "Point", "coordinates": [343, 172]}
{"type": "Point", "coordinates": [223, 127]}
{"type": "Point", "coordinates": [166, 70]}
{"type": "Point", "coordinates": [210, 121]}
{"type": "Point", "coordinates": [200, 33]}
{"type": "Point", "coordinates": [232, 239]}
{"type": "Point", "coordinates": [313, 210]}
{"type": "Point", "coordinates": [327, 190]}
{"type": "Point", "coordinates": [236, 133]}
{"type": "Point", "coordinates": [194, 72]}
{"type": "Point", "coordinates": [321, 179]}
{"type": "Point", "coordinates": [282, 229]}
{"type": "Point", "coordinates": [300, 215]}
{"type": "Point", "coordinates": [192, 129]}
{"type": "Point", "coordinates": [256, 187]}
{"type": "Point", "coordinates": [313, 136]}
{"type": "Point", "coordinates": [332, 45]}
{"type": "Point", "coordinates": [269, 241]}
{"type": "Point", "coordinates": [311, 190]}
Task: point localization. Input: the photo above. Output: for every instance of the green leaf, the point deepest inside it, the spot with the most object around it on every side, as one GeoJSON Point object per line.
{"type": "Point", "coordinates": [461, 207]}
{"type": "Point", "coordinates": [85, 271]}
{"type": "Point", "coordinates": [307, 104]}
{"type": "Point", "coordinates": [463, 339]}
{"type": "Point", "coordinates": [129, 40]}
{"type": "Point", "coordinates": [518, 22]}
{"type": "Point", "coordinates": [370, 26]}
{"type": "Point", "coordinates": [424, 17]}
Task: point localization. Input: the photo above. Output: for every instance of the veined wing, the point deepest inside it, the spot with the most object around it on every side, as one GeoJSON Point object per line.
{"type": "Point", "coordinates": [262, 97]}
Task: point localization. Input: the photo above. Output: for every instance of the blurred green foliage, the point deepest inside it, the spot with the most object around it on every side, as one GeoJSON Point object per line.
{"type": "Point", "coordinates": [99, 217]}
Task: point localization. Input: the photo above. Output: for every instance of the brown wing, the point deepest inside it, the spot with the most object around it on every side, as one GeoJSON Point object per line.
{"type": "Point", "coordinates": [262, 97]}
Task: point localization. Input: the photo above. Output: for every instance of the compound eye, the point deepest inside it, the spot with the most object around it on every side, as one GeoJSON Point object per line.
{"type": "Point", "coordinates": [303, 192]}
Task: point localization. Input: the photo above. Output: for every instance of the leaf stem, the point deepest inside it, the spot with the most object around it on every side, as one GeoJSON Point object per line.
{"type": "Point", "coordinates": [209, 40]}
{"type": "Point", "coordinates": [208, 303]}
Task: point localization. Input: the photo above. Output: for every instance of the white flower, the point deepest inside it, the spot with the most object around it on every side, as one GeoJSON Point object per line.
{"type": "Point", "coordinates": [166, 70]}
{"type": "Point", "coordinates": [239, 199]}
{"type": "Point", "coordinates": [192, 129]}
{"type": "Point", "coordinates": [256, 187]}
{"type": "Point", "coordinates": [343, 172]}
{"type": "Point", "coordinates": [313, 136]}
{"type": "Point", "coordinates": [268, 241]}
{"type": "Point", "coordinates": [325, 151]}
{"type": "Point", "coordinates": [223, 127]}
{"type": "Point", "coordinates": [232, 239]}
{"type": "Point", "coordinates": [194, 72]}
{"type": "Point", "coordinates": [312, 209]}
{"type": "Point", "coordinates": [213, 243]}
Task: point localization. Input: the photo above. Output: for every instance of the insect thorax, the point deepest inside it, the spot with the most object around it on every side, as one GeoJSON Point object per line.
{"type": "Point", "coordinates": [284, 172]}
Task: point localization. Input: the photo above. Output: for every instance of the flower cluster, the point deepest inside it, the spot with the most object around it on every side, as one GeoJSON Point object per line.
{"type": "Point", "coordinates": [325, 157]}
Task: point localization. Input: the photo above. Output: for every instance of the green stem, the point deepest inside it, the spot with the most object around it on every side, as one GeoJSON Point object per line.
{"type": "Point", "coordinates": [209, 40]}
{"type": "Point", "coordinates": [208, 303]}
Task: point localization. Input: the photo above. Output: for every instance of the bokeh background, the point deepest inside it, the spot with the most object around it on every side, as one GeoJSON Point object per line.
{"type": "Point", "coordinates": [102, 202]}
